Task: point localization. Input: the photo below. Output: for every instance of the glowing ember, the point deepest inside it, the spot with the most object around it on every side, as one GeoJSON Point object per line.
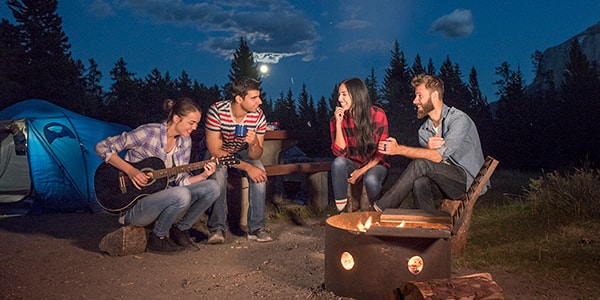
{"type": "Point", "coordinates": [401, 224]}
{"type": "Point", "coordinates": [366, 226]}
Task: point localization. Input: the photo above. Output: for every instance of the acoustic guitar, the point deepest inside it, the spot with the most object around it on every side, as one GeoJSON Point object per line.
{"type": "Point", "coordinates": [115, 191]}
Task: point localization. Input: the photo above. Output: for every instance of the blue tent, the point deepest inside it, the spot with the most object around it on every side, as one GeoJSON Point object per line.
{"type": "Point", "coordinates": [47, 156]}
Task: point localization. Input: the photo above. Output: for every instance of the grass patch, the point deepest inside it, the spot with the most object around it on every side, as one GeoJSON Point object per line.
{"type": "Point", "coordinates": [542, 231]}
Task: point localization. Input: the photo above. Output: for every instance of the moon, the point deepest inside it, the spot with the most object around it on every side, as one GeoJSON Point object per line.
{"type": "Point", "coordinates": [264, 69]}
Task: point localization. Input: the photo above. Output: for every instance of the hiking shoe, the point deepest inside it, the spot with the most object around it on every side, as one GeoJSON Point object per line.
{"type": "Point", "coordinates": [162, 245]}
{"type": "Point", "coordinates": [217, 237]}
{"type": "Point", "coordinates": [181, 237]}
{"type": "Point", "coordinates": [260, 235]}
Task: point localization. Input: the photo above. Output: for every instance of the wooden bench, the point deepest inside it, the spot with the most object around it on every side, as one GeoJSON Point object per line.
{"type": "Point", "coordinates": [317, 180]}
{"type": "Point", "coordinates": [462, 209]}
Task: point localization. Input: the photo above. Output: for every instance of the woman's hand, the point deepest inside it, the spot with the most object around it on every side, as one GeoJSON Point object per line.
{"type": "Point", "coordinates": [209, 169]}
{"type": "Point", "coordinates": [338, 114]}
{"type": "Point", "coordinates": [138, 178]}
{"type": "Point", "coordinates": [356, 175]}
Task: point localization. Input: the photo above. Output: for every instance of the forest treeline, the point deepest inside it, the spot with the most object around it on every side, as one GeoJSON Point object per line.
{"type": "Point", "coordinates": [547, 128]}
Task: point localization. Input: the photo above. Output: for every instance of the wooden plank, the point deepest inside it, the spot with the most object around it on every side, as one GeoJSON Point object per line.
{"type": "Point", "coordinates": [414, 232]}
{"type": "Point", "coordinates": [396, 215]}
{"type": "Point", "coordinates": [461, 210]}
{"type": "Point", "coordinates": [307, 168]}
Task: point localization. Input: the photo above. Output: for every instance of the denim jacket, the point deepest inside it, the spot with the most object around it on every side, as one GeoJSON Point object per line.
{"type": "Point", "coordinates": [462, 146]}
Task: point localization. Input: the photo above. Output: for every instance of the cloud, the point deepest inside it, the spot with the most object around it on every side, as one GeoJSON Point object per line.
{"type": "Point", "coordinates": [273, 29]}
{"type": "Point", "coordinates": [353, 24]}
{"type": "Point", "coordinates": [457, 24]}
{"type": "Point", "coordinates": [364, 45]}
{"type": "Point", "coordinates": [101, 9]}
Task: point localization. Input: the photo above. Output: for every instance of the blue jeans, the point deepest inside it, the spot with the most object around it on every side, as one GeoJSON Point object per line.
{"type": "Point", "coordinates": [166, 206]}
{"type": "Point", "coordinates": [341, 168]}
{"type": "Point", "coordinates": [428, 181]}
{"type": "Point", "coordinates": [217, 219]}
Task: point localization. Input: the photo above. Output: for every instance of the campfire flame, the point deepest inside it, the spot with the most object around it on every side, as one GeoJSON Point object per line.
{"type": "Point", "coordinates": [364, 227]}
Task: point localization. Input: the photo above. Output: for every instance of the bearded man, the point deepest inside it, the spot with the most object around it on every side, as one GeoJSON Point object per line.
{"type": "Point", "coordinates": [449, 157]}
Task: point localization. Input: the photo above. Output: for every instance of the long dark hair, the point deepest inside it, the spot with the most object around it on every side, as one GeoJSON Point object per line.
{"type": "Point", "coordinates": [361, 114]}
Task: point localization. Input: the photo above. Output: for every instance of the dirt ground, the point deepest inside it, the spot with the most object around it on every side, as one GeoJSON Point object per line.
{"type": "Point", "coordinates": [56, 256]}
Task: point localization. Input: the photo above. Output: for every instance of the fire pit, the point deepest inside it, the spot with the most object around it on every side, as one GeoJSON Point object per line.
{"type": "Point", "coordinates": [369, 254]}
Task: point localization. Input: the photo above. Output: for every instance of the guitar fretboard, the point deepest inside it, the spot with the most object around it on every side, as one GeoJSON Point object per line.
{"type": "Point", "coordinates": [180, 169]}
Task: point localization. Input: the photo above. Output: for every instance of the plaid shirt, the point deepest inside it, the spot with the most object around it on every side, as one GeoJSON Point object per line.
{"type": "Point", "coordinates": [147, 140]}
{"type": "Point", "coordinates": [219, 119]}
{"type": "Point", "coordinates": [380, 133]}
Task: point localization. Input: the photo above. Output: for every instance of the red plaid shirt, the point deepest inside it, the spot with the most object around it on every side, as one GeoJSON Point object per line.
{"type": "Point", "coordinates": [380, 133]}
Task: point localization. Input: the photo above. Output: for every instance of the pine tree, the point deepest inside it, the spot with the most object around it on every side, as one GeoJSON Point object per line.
{"type": "Point", "coordinates": [156, 89]}
{"type": "Point", "coordinates": [51, 72]}
{"type": "Point", "coordinates": [333, 99]}
{"type": "Point", "coordinates": [397, 99]}
{"type": "Point", "coordinates": [417, 67]}
{"type": "Point", "coordinates": [306, 110]}
{"type": "Point", "coordinates": [430, 67]}
{"type": "Point", "coordinates": [514, 117]}
{"type": "Point", "coordinates": [285, 112]}
{"type": "Point", "coordinates": [456, 92]}
{"type": "Point", "coordinates": [123, 103]}
{"type": "Point", "coordinates": [93, 105]}
{"type": "Point", "coordinates": [183, 85]}
{"type": "Point", "coordinates": [242, 65]}
{"type": "Point", "coordinates": [478, 106]}
{"type": "Point", "coordinates": [373, 88]}
{"type": "Point", "coordinates": [322, 127]}
{"type": "Point", "coordinates": [12, 65]}
{"type": "Point", "coordinates": [479, 111]}
{"type": "Point", "coordinates": [580, 106]}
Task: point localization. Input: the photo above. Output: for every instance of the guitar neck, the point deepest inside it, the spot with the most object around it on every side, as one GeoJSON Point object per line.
{"type": "Point", "coordinates": [180, 169]}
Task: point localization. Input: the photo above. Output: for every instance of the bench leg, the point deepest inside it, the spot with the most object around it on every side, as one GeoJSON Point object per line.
{"type": "Point", "coordinates": [357, 197]}
{"type": "Point", "coordinates": [244, 204]}
{"type": "Point", "coordinates": [237, 204]}
{"type": "Point", "coordinates": [318, 190]}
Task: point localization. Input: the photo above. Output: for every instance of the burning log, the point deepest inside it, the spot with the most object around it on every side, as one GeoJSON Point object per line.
{"type": "Point", "coordinates": [474, 286]}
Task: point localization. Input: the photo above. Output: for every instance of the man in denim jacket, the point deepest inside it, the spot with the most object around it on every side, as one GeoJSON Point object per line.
{"type": "Point", "coordinates": [449, 157]}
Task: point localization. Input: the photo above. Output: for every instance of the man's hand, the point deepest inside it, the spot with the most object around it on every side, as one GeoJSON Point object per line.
{"type": "Point", "coordinates": [388, 147]}
{"type": "Point", "coordinates": [257, 175]}
{"type": "Point", "coordinates": [435, 142]}
{"type": "Point", "coordinates": [251, 138]}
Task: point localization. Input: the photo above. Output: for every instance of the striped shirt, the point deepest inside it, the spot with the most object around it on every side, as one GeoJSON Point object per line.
{"type": "Point", "coordinates": [149, 140]}
{"type": "Point", "coordinates": [380, 133]}
{"type": "Point", "coordinates": [219, 119]}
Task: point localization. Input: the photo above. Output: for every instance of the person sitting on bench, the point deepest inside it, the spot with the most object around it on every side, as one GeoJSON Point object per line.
{"type": "Point", "coordinates": [356, 128]}
{"type": "Point", "coordinates": [449, 157]}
